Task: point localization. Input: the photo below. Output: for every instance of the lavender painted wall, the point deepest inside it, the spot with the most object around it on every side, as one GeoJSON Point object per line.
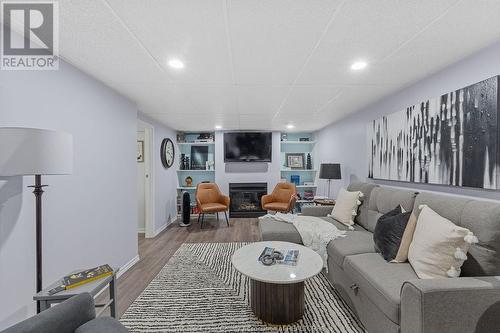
{"type": "Point", "coordinates": [165, 180]}
{"type": "Point", "coordinates": [354, 156]}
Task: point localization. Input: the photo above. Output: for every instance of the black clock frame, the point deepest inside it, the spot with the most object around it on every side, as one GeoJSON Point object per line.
{"type": "Point", "coordinates": [163, 150]}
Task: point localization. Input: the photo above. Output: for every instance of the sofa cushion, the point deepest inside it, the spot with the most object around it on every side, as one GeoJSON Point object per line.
{"type": "Point", "coordinates": [389, 232]}
{"type": "Point", "coordinates": [272, 230]}
{"type": "Point", "coordinates": [102, 324]}
{"type": "Point", "coordinates": [355, 242]}
{"type": "Point", "coordinates": [380, 281]}
{"type": "Point", "coordinates": [480, 217]}
{"type": "Point", "coordinates": [384, 199]}
{"type": "Point", "coordinates": [366, 189]}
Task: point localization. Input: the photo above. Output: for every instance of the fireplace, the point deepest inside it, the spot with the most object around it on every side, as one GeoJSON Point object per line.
{"type": "Point", "coordinates": [245, 199]}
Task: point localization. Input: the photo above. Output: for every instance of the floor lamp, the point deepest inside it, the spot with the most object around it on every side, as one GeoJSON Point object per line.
{"type": "Point", "coordinates": [37, 152]}
{"type": "Point", "coordinates": [329, 171]}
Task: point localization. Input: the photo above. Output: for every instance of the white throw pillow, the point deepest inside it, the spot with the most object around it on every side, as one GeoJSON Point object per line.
{"type": "Point", "coordinates": [346, 206]}
{"type": "Point", "coordinates": [439, 247]}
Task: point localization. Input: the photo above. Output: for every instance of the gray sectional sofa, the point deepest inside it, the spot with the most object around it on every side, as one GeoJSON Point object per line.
{"type": "Point", "coordinates": [389, 297]}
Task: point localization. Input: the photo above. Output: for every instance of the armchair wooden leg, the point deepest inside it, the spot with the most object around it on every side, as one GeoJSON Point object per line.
{"type": "Point", "coordinates": [199, 215]}
{"type": "Point", "coordinates": [202, 218]}
{"type": "Point", "coordinates": [217, 213]}
{"type": "Point", "coordinates": [227, 221]}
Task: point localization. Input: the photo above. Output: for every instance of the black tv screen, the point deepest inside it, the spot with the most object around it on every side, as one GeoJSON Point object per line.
{"type": "Point", "coordinates": [248, 147]}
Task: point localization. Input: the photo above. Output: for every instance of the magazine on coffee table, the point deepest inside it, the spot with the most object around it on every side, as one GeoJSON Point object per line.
{"type": "Point", "coordinates": [279, 256]}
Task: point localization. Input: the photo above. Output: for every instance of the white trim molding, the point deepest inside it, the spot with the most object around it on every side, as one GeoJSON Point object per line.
{"type": "Point", "coordinates": [128, 266]}
{"type": "Point", "coordinates": [163, 227]}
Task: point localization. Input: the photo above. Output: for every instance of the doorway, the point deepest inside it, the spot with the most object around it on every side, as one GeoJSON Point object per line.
{"type": "Point", "coordinates": [145, 179]}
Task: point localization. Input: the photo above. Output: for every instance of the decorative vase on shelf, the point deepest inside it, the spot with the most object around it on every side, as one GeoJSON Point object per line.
{"type": "Point", "coordinates": [183, 162]}
{"type": "Point", "coordinates": [309, 162]}
{"type": "Point", "coordinates": [189, 181]}
{"type": "Point", "coordinates": [187, 166]}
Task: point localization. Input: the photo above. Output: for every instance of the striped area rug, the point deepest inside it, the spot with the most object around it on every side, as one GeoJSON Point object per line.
{"type": "Point", "coordinates": [198, 290]}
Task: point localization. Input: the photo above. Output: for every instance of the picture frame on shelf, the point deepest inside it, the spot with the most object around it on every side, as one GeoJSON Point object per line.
{"type": "Point", "coordinates": [140, 151]}
{"type": "Point", "coordinates": [295, 160]}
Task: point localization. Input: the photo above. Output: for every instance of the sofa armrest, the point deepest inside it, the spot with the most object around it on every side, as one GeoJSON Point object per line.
{"type": "Point", "coordinates": [63, 318]}
{"type": "Point", "coordinates": [459, 305]}
{"type": "Point", "coordinates": [316, 210]}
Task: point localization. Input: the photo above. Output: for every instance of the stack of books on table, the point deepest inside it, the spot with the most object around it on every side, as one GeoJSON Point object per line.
{"type": "Point", "coordinates": [285, 257]}
{"type": "Point", "coordinates": [83, 277]}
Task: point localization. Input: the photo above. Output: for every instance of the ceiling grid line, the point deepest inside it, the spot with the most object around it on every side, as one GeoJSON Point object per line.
{"type": "Point", "coordinates": [418, 33]}
{"type": "Point", "coordinates": [133, 35]}
{"type": "Point", "coordinates": [228, 37]}
{"type": "Point", "coordinates": [320, 39]}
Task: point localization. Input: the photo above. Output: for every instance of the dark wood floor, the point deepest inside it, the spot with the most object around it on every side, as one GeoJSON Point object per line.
{"type": "Point", "coordinates": [155, 252]}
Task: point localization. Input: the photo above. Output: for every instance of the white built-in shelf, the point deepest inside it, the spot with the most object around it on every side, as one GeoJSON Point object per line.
{"type": "Point", "coordinates": [298, 142]}
{"type": "Point", "coordinates": [187, 170]}
{"type": "Point", "coordinates": [195, 143]}
{"type": "Point", "coordinates": [186, 188]}
{"type": "Point", "coordinates": [298, 170]}
{"type": "Point", "coordinates": [306, 186]}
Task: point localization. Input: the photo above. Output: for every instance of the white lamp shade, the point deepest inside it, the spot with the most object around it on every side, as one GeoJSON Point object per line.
{"type": "Point", "coordinates": [32, 151]}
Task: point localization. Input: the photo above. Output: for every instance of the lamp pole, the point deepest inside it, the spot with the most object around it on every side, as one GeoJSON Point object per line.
{"type": "Point", "coordinates": [38, 192]}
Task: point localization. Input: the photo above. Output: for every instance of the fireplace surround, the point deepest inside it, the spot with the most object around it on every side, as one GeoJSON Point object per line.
{"type": "Point", "coordinates": [245, 199]}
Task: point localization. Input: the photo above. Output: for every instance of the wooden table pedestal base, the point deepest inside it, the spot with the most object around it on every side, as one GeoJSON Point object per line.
{"type": "Point", "coordinates": [278, 304]}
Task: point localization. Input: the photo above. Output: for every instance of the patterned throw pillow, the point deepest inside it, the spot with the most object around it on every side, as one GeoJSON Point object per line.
{"type": "Point", "coordinates": [439, 247]}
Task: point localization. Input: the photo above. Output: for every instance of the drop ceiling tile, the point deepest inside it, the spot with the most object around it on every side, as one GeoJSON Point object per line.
{"type": "Point", "coordinates": [192, 31]}
{"type": "Point", "coordinates": [260, 99]}
{"type": "Point", "coordinates": [308, 99]}
{"type": "Point", "coordinates": [369, 31]}
{"type": "Point", "coordinates": [197, 122]}
{"type": "Point", "coordinates": [94, 40]}
{"type": "Point", "coordinates": [444, 43]}
{"type": "Point", "coordinates": [271, 40]}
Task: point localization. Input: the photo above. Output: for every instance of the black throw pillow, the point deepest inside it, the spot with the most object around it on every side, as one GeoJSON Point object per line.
{"type": "Point", "coordinates": [389, 232]}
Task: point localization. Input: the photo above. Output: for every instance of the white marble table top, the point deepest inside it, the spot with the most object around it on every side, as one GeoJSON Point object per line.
{"type": "Point", "coordinates": [246, 261]}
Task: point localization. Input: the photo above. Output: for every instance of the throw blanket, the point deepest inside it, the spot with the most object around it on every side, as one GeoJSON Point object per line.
{"type": "Point", "coordinates": [315, 232]}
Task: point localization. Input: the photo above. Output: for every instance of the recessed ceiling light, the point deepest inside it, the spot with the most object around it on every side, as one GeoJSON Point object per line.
{"type": "Point", "coordinates": [290, 126]}
{"type": "Point", "coordinates": [358, 65]}
{"type": "Point", "coordinates": [218, 127]}
{"type": "Point", "coordinates": [176, 63]}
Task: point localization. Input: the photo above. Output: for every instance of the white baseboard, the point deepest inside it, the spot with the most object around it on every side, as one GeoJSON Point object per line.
{"type": "Point", "coordinates": [163, 227]}
{"type": "Point", "coordinates": [121, 271]}
{"type": "Point", "coordinates": [128, 266]}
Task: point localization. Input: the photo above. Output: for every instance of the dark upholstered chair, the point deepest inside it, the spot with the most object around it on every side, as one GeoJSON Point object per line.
{"type": "Point", "coordinates": [282, 199]}
{"type": "Point", "coordinates": [211, 200]}
{"type": "Point", "coordinates": [75, 315]}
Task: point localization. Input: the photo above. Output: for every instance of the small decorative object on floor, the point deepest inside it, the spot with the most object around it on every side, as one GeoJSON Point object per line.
{"type": "Point", "coordinates": [284, 137]}
{"type": "Point", "coordinates": [309, 162]}
{"type": "Point", "coordinates": [189, 181]}
{"type": "Point", "coordinates": [295, 179]}
{"type": "Point", "coordinates": [186, 210]}
{"type": "Point", "coordinates": [79, 278]}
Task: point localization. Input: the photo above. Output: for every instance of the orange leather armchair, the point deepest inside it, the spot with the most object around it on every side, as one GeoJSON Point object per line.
{"type": "Point", "coordinates": [282, 199]}
{"type": "Point", "coordinates": [211, 200]}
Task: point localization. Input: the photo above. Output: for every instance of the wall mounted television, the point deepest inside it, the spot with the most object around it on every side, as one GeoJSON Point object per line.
{"type": "Point", "coordinates": [248, 146]}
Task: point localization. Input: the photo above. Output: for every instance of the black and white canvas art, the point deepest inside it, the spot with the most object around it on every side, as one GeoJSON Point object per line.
{"type": "Point", "coordinates": [450, 140]}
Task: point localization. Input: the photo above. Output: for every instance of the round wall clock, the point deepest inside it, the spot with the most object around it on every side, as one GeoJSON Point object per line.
{"type": "Point", "coordinates": [167, 153]}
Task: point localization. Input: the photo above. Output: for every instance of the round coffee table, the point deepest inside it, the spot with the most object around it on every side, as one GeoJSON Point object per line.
{"type": "Point", "coordinates": [277, 291]}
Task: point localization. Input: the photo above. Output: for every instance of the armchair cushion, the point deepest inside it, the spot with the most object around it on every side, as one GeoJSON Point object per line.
{"type": "Point", "coordinates": [213, 207]}
{"type": "Point", "coordinates": [277, 206]}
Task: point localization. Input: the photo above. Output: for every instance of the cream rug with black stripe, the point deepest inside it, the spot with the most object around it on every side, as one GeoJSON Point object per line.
{"type": "Point", "coordinates": [198, 290]}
